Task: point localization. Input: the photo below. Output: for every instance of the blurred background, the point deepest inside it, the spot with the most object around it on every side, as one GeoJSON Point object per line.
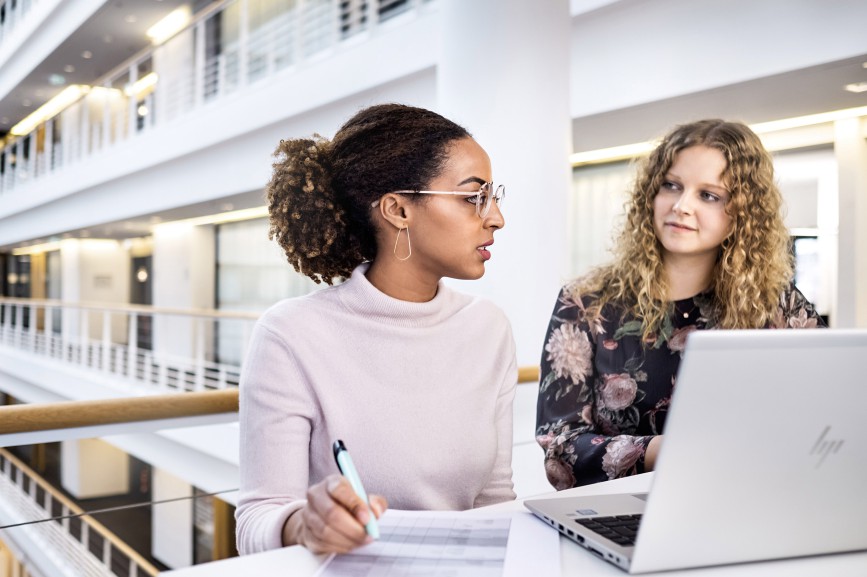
{"type": "Point", "coordinates": [136, 139]}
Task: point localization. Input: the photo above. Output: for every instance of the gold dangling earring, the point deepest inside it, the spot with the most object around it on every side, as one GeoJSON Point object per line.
{"type": "Point", "coordinates": [408, 245]}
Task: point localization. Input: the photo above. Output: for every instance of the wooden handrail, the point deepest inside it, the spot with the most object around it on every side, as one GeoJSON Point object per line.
{"type": "Point", "coordinates": [67, 414]}
{"type": "Point", "coordinates": [27, 418]}
{"type": "Point", "coordinates": [74, 509]}
{"type": "Point", "coordinates": [528, 374]}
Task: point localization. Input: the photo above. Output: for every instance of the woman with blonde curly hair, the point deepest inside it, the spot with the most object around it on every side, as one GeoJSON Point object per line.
{"type": "Point", "coordinates": [703, 246]}
{"type": "Point", "coordinates": [416, 378]}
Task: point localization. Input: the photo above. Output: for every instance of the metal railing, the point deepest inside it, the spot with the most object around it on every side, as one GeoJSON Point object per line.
{"type": "Point", "coordinates": [74, 539]}
{"type": "Point", "coordinates": [228, 46]}
{"type": "Point", "coordinates": [160, 348]}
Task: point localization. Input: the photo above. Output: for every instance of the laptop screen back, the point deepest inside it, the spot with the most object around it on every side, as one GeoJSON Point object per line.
{"type": "Point", "coordinates": [764, 454]}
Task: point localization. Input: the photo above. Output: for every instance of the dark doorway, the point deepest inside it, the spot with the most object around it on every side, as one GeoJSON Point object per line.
{"type": "Point", "coordinates": [141, 293]}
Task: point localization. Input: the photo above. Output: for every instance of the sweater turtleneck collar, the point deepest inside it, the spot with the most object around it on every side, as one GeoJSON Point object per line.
{"type": "Point", "coordinates": [361, 297]}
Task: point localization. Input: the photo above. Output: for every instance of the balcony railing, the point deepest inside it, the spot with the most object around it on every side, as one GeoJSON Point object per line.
{"type": "Point", "coordinates": [76, 540]}
{"type": "Point", "coordinates": [161, 349]}
{"type": "Point", "coordinates": [226, 47]}
{"type": "Point", "coordinates": [72, 539]}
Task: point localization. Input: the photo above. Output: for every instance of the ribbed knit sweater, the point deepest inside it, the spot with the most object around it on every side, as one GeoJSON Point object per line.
{"type": "Point", "coordinates": [420, 393]}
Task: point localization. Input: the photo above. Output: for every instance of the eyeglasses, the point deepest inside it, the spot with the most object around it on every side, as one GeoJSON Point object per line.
{"type": "Point", "coordinates": [483, 199]}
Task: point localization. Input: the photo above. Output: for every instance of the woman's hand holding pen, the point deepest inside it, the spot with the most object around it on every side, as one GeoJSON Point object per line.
{"type": "Point", "coordinates": [333, 519]}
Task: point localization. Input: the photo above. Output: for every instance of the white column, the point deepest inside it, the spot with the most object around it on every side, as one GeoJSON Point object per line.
{"type": "Point", "coordinates": [132, 104]}
{"type": "Point", "coordinates": [48, 148]}
{"type": "Point", "coordinates": [93, 468]}
{"type": "Point", "coordinates": [172, 523]}
{"type": "Point", "coordinates": [504, 75]}
{"type": "Point", "coordinates": [850, 146]}
{"type": "Point", "coordinates": [184, 266]}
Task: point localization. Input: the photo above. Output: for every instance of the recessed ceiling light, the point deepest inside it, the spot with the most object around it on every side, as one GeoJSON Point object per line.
{"type": "Point", "coordinates": [130, 19]}
{"type": "Point", "coordinates": [87, 54]}
{"type": "Point", "coordinates": [56, 79]}
{"type": "Point", "coordinates": [108, 38]}
{"type": "Point", "coordinates": [857, 87]}
{"type": "Point", "coordinates": [69, 68]}
{"type": "Point", "coordinates": [171, 24]}
{"type": "Point", "coordinates": [25, 102]}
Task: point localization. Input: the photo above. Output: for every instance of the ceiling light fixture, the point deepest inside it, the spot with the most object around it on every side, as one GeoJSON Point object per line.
{"type": "Point", "coordinates": [171, 24]}
{"type": "Point", "coordinates": [48, 110]}
{"type": "Point", "coordinates": [612, 154]}
{"type": "Point", "coordinates": [37, 248]}
{"type": "Point", "coordinates": [142, 84]}
{"type": "Point", "coordinates": [856, 87]}
{"type": "Point", "coordinates": [808, 120]}
{"type": "Point", "coordinates": [234, 216]}
{"type": "Point", "coordinates": [87, 54]}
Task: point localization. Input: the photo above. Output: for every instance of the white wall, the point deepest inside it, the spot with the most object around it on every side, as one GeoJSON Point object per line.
{"type": "Point", "coordinates": [93, 468]}
{"type": "Point", "coordinates": [666, 48]}
{"type": "Point", "coordinates": [850, 144]}
{"type": "Point", "coordinates": [94, 271]}
{"type": "Point", "coordinates": [183, 277]}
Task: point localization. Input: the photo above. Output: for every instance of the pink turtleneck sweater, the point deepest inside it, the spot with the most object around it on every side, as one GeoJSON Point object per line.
{"type": "Point", "coordinates": [420, 393]}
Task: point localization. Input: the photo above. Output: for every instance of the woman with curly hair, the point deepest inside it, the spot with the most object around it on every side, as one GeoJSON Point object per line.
{"type": "Point", "coordinates": [416, 378]}
{"type": "Point", "coordinates": [703, 246]}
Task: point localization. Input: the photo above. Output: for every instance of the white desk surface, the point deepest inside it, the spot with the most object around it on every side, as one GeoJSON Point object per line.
{"type": "Point", "coordinates": [575, 560]}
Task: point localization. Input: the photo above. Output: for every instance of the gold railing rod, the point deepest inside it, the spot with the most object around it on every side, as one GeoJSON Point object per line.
{"type": "Point", "coordinates": [68, 414]}
{"type": "Point", "coordinates": [528, 374]}
{"type": "Point", "coordinates": [131, 553]}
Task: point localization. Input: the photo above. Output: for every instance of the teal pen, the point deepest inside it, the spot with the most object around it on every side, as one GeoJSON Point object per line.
{"type": "Point", "coordinates": [344, 463]}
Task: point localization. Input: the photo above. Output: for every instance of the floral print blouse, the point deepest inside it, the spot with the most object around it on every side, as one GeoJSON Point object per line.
{"type": "Point", "coordinates": [604, 394]}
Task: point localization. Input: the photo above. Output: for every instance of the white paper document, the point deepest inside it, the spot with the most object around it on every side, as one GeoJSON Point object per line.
{"type": "Point", "coordinates": [440, 544]}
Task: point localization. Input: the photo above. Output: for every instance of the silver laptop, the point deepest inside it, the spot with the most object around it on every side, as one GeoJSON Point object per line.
{"type": "Point", "coordinates": [765, 457]}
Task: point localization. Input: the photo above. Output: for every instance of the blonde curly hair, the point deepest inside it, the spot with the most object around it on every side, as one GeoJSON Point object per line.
{"type": "Point", "coordinates": [754, 263]}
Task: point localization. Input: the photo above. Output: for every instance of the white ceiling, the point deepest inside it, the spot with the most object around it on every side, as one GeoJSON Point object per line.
{"type": "Point", "coordinates": [112, 35]}
{"type": "Point", "coordinates": [796, 93]}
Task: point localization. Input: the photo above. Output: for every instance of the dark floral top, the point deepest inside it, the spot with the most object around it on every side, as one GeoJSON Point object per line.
{"type": "Point", "coordinates": [604, 394]}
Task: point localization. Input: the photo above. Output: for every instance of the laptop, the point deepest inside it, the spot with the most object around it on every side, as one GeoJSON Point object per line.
{"type": "Point", "coordinates": [765, 457]}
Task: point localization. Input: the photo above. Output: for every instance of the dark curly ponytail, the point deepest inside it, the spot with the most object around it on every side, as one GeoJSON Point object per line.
{"type": "Point", "coordinates": [320, 193]}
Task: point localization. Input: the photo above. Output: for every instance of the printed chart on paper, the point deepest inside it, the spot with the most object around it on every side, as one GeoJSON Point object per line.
{"type": "Point", "coordinates": [428, 545]}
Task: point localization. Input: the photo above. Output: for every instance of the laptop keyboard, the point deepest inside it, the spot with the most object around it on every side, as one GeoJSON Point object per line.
{"type": "Point", "coordinates": [621, 529]}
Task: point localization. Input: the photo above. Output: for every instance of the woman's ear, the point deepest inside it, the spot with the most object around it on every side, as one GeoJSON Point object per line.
{"type": "Point", "coordinates": [395, 209]}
